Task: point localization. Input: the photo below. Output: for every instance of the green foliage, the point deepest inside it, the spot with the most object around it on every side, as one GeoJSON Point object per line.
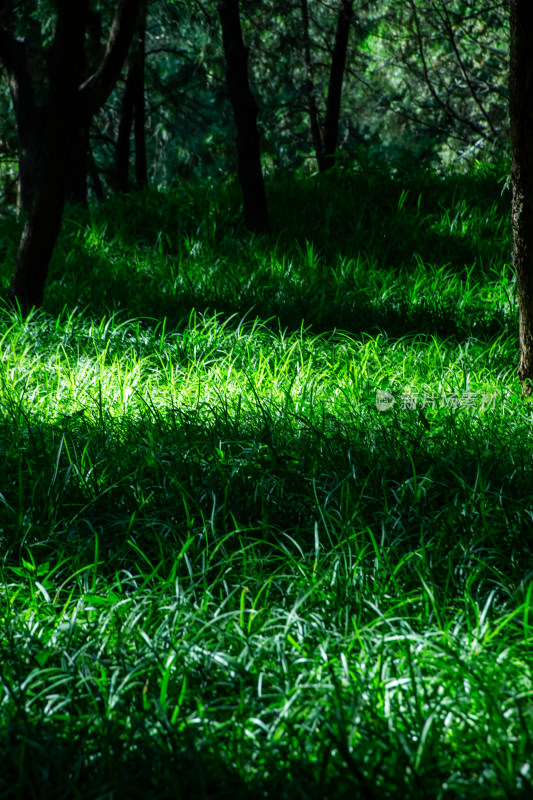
{"type": "Point", "coordinates": [425, 83]}
{"type": "Point", "coordinates": [226, 571]}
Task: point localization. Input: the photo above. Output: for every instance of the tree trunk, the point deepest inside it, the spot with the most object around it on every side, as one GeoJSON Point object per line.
{"type": "Point", "coordinates": [316, 134]}
{"type": "Point", "coordinates": [521, 117]}
{"type": "Point", "coordinates": [30, 118]}
{"type": "Point", "coordinates": [139, 132]}
{"type": "Point", "coordinates": [78, 166]}
{"type": "Point", "coordinates": [98, 189]}
{"type": "Point", "coordinates": [70, 108]}
{"type": "Point", "coordinates": [122, 147]}
{"type": "Point", "coordinates": [80, 159]}
{"type": "Point", "coordinates": [338, 63]}
{"type": "Point", "coordinates": [98, 87]}
{"type": "Point", "coordinates": [133, 113]}
{"type": "Point", "coordinates": [44, 220]}
{"type": "Point", "coordinates": [245, 113]}
{"type": "Point", "coordinates": [31, 129]}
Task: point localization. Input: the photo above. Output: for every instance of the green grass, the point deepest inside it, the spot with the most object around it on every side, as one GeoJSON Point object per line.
{"type": "Point", "coordinates": [227, 572]}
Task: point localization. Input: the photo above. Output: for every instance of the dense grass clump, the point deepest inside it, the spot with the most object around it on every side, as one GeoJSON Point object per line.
{"type": "Point", "coordinates": [265, 504]}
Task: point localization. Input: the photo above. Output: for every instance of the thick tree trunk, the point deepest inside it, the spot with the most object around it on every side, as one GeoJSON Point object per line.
{"type": "Point", "coordinates": [70, 108]}
{"type": "Point", "coordinates": [78, 166]}
{"type": "Point", "coordinates": [44, 220]}
{"type": "Point", "coordinates": [245, 114]}
{"type": "Point", "coordinates": [30, 118]}
{"type": "Point", "coordinates": [31, 129]}
{"type": "Point", "coordinates": [521, 116]}
{"type": "Point", "coordinates": [338, 63]}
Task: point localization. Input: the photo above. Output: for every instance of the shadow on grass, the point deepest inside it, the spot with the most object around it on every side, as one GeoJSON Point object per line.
{"type": "Point", "coordinates": [280, 305]}
{"type": "Point", "coordinates": [160, 256]}
{"type": "Point", "coordinates": [454, 220]}
{"type": "Point", "coordinates": [234, 490]}
{"type": "Point", "coordinates": [132, 756]}
{"type": "Point", "coordinates": [161, 477]}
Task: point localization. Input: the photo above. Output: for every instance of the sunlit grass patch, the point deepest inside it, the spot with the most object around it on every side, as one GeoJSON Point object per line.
{"type": "Point", "coordinates": [265, 511]}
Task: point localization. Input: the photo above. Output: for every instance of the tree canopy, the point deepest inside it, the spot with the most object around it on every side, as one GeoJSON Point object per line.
{"type": "Point", "coordinates": [424, 80]}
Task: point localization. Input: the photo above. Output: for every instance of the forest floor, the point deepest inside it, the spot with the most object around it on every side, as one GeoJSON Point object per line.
{"type": "Point", "coordinates": [266, 505]}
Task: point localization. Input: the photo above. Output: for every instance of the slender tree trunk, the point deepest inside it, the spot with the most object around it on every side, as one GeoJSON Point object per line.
{"type": "Point", "coordinates": [316, 134]}
{"type": "Point", "coordinates": [245, 114]}
{"type": "Point", "coordinates": [338, 63]}
{"type": "Point", "coordinates": [44, 220]}
{"type": "Point", "coordinates": [139, 120]}
{"type": "Point", "coordinates": [325, 142]}
{"type": "Point", "coordinates": [521, 116]}
{"type": "Point", "coordinates": [122, 147]}
{"type": "Point", "coordinates": [80, 157]}
{"type": "Point", "coordinates": [133, 113]}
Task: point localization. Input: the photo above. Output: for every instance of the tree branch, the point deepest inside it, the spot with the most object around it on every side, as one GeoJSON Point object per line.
{"type": "Point", "coordinates": [444, 104]}
{"type": "Point", "coordinates": [451, 36]}
{"type": "Point", "coordinates": [96, 89]}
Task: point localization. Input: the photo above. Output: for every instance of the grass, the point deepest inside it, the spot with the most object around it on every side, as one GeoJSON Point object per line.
{"type": "Point", "coordinates": [231, 567]}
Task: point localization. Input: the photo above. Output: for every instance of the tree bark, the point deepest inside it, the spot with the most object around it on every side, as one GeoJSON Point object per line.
{"type": "Point", "coordinates": [245, 114]}
{"type": "Point", "coordinates": [122, 147]}
{"type": "Point", "coordinates": [338, 63]}
{"type": "Point", "coordinates": [70, 108]}
{"type": "Point", "coordinates": [78, 166]}
{"type": "Point", "coordinates": [92, 168]}
{"type": "Point", "coordinates": [521, 118]}
{"type": "Point", "coordinates": [44, 220]}
{"type": "Point", "coordinates": [30, 118]}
